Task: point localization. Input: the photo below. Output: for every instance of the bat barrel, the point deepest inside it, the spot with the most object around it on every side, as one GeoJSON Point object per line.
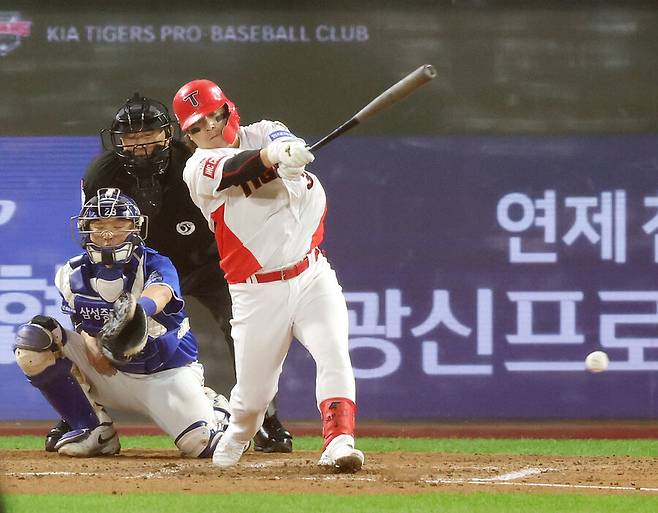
{"type": "Point", "coordinates": [393, 94]}
{"type": "Point", "coordinates": [397, 91]}
{"type": "Point", "coordinates": [428, 70]}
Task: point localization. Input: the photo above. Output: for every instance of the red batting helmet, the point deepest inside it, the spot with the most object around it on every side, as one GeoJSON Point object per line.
{"type": "Point", "coordinates": [201, 97]}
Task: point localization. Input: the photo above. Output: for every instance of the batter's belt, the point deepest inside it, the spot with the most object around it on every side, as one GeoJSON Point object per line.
{"type": "Point", "coordinates": [286, 273]}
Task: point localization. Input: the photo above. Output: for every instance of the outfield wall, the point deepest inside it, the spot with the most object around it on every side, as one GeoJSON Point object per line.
{"type": "Point", "coordinates": [479, 271]}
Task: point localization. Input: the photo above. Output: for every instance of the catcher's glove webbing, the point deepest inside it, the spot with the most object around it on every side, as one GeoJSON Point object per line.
{"type": "Point", "coordinates": [125, 333]}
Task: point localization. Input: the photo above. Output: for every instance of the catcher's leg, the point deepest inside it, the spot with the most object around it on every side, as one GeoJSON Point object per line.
{"type": "Point", "coordinates": [37, 350]}
{"type": "Point", "coordinates": [55, 434]}
{"type": "Point", "coordinates": [200, 438]}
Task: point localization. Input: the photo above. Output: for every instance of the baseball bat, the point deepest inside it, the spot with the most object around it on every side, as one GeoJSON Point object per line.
{"type": "Point", "coordinates": [392, 95]}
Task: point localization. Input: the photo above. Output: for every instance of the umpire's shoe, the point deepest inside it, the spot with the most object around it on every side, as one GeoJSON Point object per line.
{"type": "Point", "coordinates": [55, 434]}
{"type": "Point", "coordinates": [87, 442]}
{"type": "Point", "coordinates": [272, 436]}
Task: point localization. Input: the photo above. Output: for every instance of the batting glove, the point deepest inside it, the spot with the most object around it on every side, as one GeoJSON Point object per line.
{"type": "Point", "coordinates": [289, 153]}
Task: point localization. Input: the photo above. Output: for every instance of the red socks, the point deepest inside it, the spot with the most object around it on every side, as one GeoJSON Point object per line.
{"type": "Point", "coordinates": [338, 418]}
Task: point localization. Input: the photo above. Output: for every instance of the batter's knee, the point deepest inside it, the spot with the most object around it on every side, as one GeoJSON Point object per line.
{"type": "Point", "coordinates": [36, 343]}
{"type": "Point", "coordinates": [198, 440]}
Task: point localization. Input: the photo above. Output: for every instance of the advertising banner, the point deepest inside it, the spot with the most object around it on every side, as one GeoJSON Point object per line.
{"type": "Point", "coordinates": [479, 271]}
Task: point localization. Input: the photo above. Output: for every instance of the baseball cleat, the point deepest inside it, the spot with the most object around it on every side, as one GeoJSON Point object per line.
{"type": "Point", "coordinates": [272, 436]}
{"type": "Point", "coordinates": [228, 452]}
{"type": "Point", "coordinates": [55, 433]}
{"type": "Point", "coordinates": [87, 442]}
{"type": "Point", "coordinates": [341, 455]}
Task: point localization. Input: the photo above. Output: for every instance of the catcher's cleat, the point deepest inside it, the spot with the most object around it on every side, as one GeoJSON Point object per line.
{"type": "Point", "coordinates": [341, 455]}
{"type": "Point", "coordinates": [87, 442]}
{"type": "Point", "coordinates": [272, 436]}
{"type": "Point", "coordinates": [55, 433]}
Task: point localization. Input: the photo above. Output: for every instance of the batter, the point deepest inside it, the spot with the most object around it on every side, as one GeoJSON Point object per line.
{"type": "Point", "coordinates": [267, 213]}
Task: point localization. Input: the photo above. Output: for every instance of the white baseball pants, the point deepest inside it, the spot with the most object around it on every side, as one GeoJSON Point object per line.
{"type": "Point", "coordinates": [266, 316]}
{"type": "Point", "coordinates": [173, 398]}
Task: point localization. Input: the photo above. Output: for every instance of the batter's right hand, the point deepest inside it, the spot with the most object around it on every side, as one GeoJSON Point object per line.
{"type": "Point", "coordinates": [289, 153]}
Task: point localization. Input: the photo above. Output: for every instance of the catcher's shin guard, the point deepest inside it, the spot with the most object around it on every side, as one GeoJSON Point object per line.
{"type": "Point", "coordinates": [35, 351]}
{"type": "Point", "coordinates": [199, 440]}
{"type": "Point", "coordinates": [338, 418]}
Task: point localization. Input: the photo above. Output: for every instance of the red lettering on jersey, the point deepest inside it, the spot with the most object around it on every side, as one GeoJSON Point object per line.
{"type": "Point", "coordinates": [269, 175]}
{"type": "Point", "coordinates": [309, 180]}
{"type": "Point", "coordinates": [258, 182]}
{"type": "Point", "coordinates": [210, 166]}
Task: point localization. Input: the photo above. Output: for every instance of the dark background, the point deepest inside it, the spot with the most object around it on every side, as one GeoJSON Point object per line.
{"type": "Point", "coordinates": [503, 67]}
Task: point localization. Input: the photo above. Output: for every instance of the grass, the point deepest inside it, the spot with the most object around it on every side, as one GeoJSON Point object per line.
{"type": "Point", "coordinates": [540, 447]}
{"type": "Point", "coordinates": [270, 503]}
{"type": "Point", "coordinates": [498, 501]}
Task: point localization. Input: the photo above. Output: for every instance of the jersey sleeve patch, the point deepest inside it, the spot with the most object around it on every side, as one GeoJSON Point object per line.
{"type": "Point", "coordinates": [210, 166]}
{"type": "Point", "coordinates": [277, 134]}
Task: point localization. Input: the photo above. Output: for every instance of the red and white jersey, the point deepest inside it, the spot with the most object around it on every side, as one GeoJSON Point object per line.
{"type": "Point", "coordinates": [265, 224]}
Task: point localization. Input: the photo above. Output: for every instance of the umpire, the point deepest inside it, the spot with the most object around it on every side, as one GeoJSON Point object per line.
{"type": "Point", "coordinates": [146, 162]}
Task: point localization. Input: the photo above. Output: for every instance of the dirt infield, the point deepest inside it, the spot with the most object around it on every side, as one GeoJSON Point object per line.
{"type": "Point", "coordinates": [399, 473]}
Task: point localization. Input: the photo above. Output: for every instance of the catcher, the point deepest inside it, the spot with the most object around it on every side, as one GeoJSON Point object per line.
{"type": "Point", "coordinates": [132, 346]}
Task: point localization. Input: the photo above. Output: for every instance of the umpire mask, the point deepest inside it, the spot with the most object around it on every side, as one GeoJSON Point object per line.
{"type": "Point", "coordinates": [140, 136]}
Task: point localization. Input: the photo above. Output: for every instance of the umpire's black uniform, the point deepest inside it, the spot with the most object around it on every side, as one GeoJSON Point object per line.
{"type": "Point", "coordinates": [176, 227]}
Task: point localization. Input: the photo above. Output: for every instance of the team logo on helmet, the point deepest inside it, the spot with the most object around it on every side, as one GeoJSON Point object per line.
{"type": "Point", "coordinates": [12, 30]}
{"type": "Point", "coordinates": [192, 98]}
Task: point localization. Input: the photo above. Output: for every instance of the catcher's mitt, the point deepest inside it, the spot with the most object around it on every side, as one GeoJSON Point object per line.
{"type": "Point", "coordinates": [125, 333]}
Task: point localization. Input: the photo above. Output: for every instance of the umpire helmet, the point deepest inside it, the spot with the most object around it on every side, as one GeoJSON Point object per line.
{"type": "Point", "coordinates": [138, 115]}
{"type": "Point", "coordinates": [107, 204]}
{"type": "Point", "coordinates": [199, 98]}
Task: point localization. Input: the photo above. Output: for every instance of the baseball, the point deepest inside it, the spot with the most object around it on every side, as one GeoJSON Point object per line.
{"type": "Point", "coordinates": [597, 361]}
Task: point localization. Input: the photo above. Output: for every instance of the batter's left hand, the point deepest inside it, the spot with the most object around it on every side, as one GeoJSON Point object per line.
{"type": "Point", "coordinates": [289, 153]}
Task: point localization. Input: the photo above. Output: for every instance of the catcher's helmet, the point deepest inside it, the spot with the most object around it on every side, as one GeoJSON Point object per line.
{"type": "Point", "coordinates": [140, 114]}
{"type": "Point", "coordinates": [201, 97]}
{"type": "Point", "coordinates": [111, 203]}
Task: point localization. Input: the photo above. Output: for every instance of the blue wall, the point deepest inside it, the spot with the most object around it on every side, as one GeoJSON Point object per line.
{"type": "Point", "coordinates": [479, 271]}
